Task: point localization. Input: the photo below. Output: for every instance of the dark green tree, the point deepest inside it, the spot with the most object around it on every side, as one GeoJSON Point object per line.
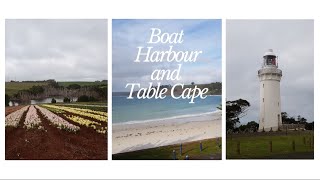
{"type": "Point", "coordinates": [234, 111]}
{"type": "Point", "coordinates": [53, 100]}
{"type": "Point", "coordinates": [83, 98]}
{"type": "Point", "coordinates": [301, 120]}
{"type": "Point", "coordinates": [74, 86]}
{"type": "Point", "coordinates": [309, 126]}
{"type": "Point", "coordinates": [66, 100]}
{"type": "Point", "coordinates": [286, 119]}
{"type": "Point", "coordinates": [252, 126]}
{"type": "Point", "coordinates": [7, 99]}
{"type": "Point", "coordinates": [35, 90]}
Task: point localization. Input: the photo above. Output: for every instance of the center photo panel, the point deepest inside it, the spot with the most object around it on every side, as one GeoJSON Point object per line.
{"type": "Point", "coordinates": [166, 90]}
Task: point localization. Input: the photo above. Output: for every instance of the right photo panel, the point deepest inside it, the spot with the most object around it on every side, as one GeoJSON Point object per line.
{"type": "Point", "coordinates": [270, 89]}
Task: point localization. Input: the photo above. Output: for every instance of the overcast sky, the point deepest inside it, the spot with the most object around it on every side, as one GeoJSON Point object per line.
{"type": "Point", "coordinates": [292, 41]}
{"type": "Point", "coordinates": [202, 35]}
{"type": "Point", "coordinates": [64, 50]}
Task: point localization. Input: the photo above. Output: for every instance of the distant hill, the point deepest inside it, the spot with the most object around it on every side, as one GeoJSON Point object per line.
{"type": "Point", "coordinates": [120, 93]}
{"type": "Point", "coordinates": [14, 87]}
{"type": "Point", "coordinates": [82, 83]}
{"type": "Point", "coordinates": [214, 88]}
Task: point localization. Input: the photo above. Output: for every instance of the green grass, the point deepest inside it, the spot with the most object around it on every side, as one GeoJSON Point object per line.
{"type": "Point", "coordinates": [81, 83]}
{"type": "Point", "coordinates": [211, 148]}
{"type": "Point", "coordinates": [13, 87]}
{"type": "Point", "coordinates": [258, 146]}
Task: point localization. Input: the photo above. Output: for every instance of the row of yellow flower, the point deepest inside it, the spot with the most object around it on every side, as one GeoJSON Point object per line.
{"type": "Point", "coordinates": [81, 112]}
{"type": "Point", "coordinates": [57, 121]}
{"type": "Point", "coordinates": [87, 123]}
{"type": "Point", "coordinates": [82, 121]}
{"type": "Point", "coordinates": [90, 111]}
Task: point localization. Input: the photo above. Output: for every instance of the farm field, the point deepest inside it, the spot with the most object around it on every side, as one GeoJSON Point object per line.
{"type": "Point", "coordinates": [294, 145]}
{"type": "Point", "coordinates": [55, 132]}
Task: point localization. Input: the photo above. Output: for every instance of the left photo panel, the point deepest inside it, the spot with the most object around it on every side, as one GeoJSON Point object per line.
{"type": "Point", "coordinates": [56, 89]}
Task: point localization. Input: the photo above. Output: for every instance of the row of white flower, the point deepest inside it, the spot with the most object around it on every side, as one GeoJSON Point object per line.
{"type": "Point", "coordinates": [57, 120]}
{"type": "Point", "coordinates": [13, 119]}
{"type": "Point", "coordinates": [32, 119]}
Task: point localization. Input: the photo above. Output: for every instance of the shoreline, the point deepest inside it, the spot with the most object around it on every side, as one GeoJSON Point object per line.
{"type": "Point", "coordinates": [178, 118]}
{"type": "Point", "coordinates": [151, 134]}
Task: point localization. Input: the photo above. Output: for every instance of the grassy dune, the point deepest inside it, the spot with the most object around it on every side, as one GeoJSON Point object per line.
{"type": "Point", "coordinates": [211, 149]}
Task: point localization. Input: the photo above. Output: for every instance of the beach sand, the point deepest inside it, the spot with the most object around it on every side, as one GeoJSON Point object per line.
{"type": "Point", "coordinates": [137, 136]}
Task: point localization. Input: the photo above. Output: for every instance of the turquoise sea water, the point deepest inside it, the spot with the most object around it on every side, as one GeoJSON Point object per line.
{"type": "Point", "coordinates": [138, 110]}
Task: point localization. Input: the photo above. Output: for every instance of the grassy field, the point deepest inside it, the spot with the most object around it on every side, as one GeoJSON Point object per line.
{"type": "Point", "coordinates": [13, 87]}
{"type": "Point", "coordinates": [81, 83]}
{"type": "Point", "coordinates": [211, 149]}
{"type": "Point", "coordinates": [258, 146]}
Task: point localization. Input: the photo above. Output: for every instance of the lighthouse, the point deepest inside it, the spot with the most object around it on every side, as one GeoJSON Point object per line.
{"type": "Point", "coordinates": [270, 101]}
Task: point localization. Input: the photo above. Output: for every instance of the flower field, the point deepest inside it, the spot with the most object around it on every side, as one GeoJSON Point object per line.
{"type": "Point", "coordinates": [56, 132]}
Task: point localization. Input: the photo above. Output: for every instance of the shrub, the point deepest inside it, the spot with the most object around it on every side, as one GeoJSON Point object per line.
{"type": "Point", "coordinates": [53, 100]}
{"type": "Point", "coordinates": [7, 99]}
{"type": "Point", "coordinates": [66, 100]}
{"type": "Point", "coordinates": [74, 86]}
{"type": "Point", "coordinates": [85, 98]}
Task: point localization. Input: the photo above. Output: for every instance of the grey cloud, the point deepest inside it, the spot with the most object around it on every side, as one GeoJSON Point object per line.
{"type": "Point", "coordinates": [60, 49]}
{"type": "Point", "coordinates": [292, 41]}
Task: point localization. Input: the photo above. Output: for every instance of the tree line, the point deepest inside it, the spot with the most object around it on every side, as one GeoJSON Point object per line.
{"type": "Point", "coordinates": [237, 109]}
{"type": "Point", "coordinates": [84, 93]}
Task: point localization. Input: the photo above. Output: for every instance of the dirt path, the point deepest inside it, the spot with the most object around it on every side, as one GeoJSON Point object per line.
{"type": "Point", "coordinates": [52, 143]}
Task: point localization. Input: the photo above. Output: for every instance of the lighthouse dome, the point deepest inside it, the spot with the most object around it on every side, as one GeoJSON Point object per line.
{"type": "Point", "coordinates": [269, 53]}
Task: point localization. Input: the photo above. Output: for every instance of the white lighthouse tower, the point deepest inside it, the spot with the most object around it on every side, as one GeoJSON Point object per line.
{"type": "Point", "coordinates": [270, 102]}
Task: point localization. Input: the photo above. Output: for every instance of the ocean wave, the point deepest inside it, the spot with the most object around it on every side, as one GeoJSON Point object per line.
{"type": "Point", "coordinates": [179, 117]}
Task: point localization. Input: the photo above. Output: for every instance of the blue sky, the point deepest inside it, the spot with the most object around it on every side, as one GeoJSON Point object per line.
{"type": "Point", "coordinates": [204, 35]}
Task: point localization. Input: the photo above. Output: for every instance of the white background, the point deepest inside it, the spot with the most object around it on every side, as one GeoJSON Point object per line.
{"type": "Point", "coordinates": [160, 9]}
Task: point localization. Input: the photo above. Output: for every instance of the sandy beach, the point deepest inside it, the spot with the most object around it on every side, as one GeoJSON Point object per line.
{"type": "Point", "coordinates": [137, 136]}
